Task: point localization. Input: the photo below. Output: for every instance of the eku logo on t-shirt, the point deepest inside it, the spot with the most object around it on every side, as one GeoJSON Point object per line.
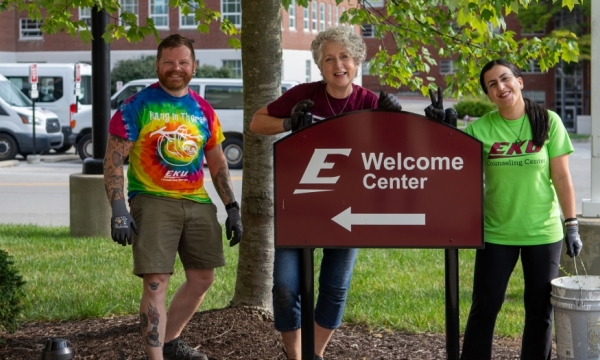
{"type": "Point", "coordinates": [504, 149]}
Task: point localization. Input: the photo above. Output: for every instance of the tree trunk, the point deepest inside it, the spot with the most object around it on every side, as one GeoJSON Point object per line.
{"type": "Point", "coordinates": [261, 64]}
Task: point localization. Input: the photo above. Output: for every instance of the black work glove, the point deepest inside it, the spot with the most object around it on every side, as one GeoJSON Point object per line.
{"type": "Point", "coordinates": [295, 121]}
{"type": "Point", "coordinates": [388, 102]}
{"type": "Point", "coordinates": [451, 117]}
{"type": "Point", "coordinates": [121, 223]}
{"type": "Point", "coordinates": [233, 226]}
{"type": "Point", "coordinates": [435, 111]}
{"type": "Point", "coordinates": [573, 240]}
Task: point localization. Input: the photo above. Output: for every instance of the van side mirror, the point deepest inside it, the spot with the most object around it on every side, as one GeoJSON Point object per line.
{"type": "Point", "coordinates": [113, 104]}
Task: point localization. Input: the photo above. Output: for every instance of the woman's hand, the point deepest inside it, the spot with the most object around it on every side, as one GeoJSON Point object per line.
{"type": "Point", "coordinates": [388, 102]}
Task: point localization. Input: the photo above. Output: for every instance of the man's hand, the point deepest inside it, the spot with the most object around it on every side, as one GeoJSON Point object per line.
{"type": "Point", "coordinates": [294, 122]}
{"type": "Point", "coordinates": [436, 111]}
{"type": "Point", "coordinates": [121, 223]}
{"type": "Point", "coordinates": [388, 102]}
{"type": "Point", "coordinates": [573, 240]}
{"type": "Point", "coordinates": [233, 226]}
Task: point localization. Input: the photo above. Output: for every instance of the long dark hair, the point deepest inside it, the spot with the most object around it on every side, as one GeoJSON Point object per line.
{"type": "Point", "coordinates": [538, 115]}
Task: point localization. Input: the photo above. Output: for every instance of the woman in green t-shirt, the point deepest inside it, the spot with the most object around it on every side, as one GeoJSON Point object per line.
{"type": "Point", "coordinates": [527, 184]}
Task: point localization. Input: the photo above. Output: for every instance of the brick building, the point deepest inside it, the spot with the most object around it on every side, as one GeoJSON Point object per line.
{"type": "Point", "coordinates": [22, 41]}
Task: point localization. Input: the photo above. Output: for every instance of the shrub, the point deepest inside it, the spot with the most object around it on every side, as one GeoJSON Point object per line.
{"type": "Point", "coordinates": [474, 107]}
{"type": "Point", "coordinates": [11, 293]}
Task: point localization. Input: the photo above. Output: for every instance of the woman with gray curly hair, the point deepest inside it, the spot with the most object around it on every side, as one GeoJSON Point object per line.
{"type": "Point", "coordinates": [338, 52]}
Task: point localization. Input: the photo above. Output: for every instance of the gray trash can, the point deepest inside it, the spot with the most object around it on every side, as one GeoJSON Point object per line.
{"type": "Point", "coordinates": [576, 301]}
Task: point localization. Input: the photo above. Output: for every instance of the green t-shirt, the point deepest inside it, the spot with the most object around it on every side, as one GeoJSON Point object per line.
{"type": "Point", "coordinates": [520, 203]}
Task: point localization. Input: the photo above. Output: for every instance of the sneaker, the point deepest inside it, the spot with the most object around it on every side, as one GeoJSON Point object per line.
{"type": "Point", "coordinates": [177, 349]}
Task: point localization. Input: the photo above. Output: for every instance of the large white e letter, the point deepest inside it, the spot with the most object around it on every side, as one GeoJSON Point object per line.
{"type": "Point", "coordinates": [317, 162]}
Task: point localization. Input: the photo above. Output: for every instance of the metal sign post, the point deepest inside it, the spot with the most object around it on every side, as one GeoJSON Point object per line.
{"type": "Point", "coordinates": [362, 178]}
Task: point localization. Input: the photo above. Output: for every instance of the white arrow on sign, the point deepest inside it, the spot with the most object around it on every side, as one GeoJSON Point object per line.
{"type": "Point", "coordinates": [346, 219]}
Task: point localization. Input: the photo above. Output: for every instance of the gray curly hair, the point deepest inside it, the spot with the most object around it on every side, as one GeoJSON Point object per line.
{"type": "Point", "coordinates": [343, 36]}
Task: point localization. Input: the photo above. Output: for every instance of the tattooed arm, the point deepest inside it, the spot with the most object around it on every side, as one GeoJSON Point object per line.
{"type": "Point", "coordinates": [219, 171]}
{"type": "Point", "coordinates": [117, 151]}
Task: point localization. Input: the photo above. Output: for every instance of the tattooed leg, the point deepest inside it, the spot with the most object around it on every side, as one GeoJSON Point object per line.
{"type": "Point", "coordinates": [153, 315]}
{"type": "Point", "coordinates": [152, 337]}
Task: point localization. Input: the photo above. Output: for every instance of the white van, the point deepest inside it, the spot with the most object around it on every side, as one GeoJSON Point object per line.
{"type": "Point", "coordinates": [225, 95]}
{"type": "Point", "coordinates": [56, 86]}
{"type": "Point", "coordinates": [16, 124]}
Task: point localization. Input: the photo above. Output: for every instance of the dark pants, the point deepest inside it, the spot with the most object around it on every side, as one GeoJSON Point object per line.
{"type": "Point", "coordinates": [493, 267]}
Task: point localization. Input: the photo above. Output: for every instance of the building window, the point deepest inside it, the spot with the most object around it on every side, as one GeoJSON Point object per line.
{"type": "Point", "coordinates": [368, 31]}
{"type": "Point", "coordinates": [130, 6]}
{"type": "Point", "coordinates": [30, 29]}
{"type": "Point", "coordinates": [366, 68]}
{"type": "Point", "coordinates": [343, 11]}
{"type": "Point", "coordinates": [337, 16]}
{"type": "Point", "coordinates": [232, 11]}
{"type": "Point", "coordinates": [329, 16]}
{"type": "Point", "coordinates": [533, 68]}
{"type": "Point", "coordinates": [446, 67]}
{"type": "Point", "coordinates": [314, 16]}
{"type": "Point", "coordinates": [235, 66]}
{"type": "Point", "coordinates": [307, 76]}
{"type": "Point", "coordinates": [321, 17]}
{"type": "Point", "coordinates": [187, 21]}
{"type": "Point", "coordinates": [528, 32]}
{"type": "Point", "coordinates": [159, 12]}
{"type": "Point", "coordinates": [538, 96]}
{"type": "Point", "coordinates": [85, 15]}
{"type": "Point", "coordinates": [292, 15]}
{"type": "Point", "coordinates": [306, 20]}
{"type": "Point", "coordinates": [376, 3]}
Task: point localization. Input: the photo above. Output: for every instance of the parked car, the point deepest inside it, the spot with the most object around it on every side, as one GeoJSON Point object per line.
{"type": "Point", "coordinates": [225, 95]}
{"type": "Point", "coordinates": [57, 90]}
{"type": "Point", "coordinates": [17, 121]}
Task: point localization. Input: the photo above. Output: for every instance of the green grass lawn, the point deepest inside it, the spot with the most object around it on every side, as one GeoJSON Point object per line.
{"type": "Point", "coordinates": [395, 289]}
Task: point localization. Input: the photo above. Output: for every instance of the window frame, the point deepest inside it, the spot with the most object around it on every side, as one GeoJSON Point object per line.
{"type": "Point", "coordinates": [292, 15]}
{"type": "Point", "coordinates": [236, 68]}
{"type": "Point", "coordinates": [22, 31]}
{"type": "Point", "coordinates": [237, 15]}
{"type": "Point", "coordinates": [154, 16]}
{"type": "Point", "coordinates": [313, 21]}
{"type": "Point", "coordinates": [182, 17]}
{"type": "Point", "coordinates": [124, 6]}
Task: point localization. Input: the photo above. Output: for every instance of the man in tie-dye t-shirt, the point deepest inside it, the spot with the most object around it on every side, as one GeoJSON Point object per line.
{"type": "Point", "coordinates": [167, 130]}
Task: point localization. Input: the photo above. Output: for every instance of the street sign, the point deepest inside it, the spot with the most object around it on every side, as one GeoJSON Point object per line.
{"type": "Point", "coordinates": [379, 179]}
{"type": "Point", "coordinates": [34, 93]}
{"type": "Point", "coordinates": [77, 73]}
{"type": "Point", "coordinates": [33, 74]}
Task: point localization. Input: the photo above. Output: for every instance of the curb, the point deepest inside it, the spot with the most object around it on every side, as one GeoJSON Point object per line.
{"type": "Point", "coordinates": [59, 158]}
{"type": "Point", "coordinates": [9, 163]}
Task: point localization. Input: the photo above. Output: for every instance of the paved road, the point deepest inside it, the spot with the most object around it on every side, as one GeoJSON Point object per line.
{"type": "Point", "coordinates": [39, 193]}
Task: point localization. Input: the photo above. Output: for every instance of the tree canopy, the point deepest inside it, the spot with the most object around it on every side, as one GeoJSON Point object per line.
{"type": "Point", "coordinates": [471, 32]}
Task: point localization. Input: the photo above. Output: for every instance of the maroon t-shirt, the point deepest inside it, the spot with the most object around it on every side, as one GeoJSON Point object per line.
{"type": "Point", "coordinates": [325, 105]}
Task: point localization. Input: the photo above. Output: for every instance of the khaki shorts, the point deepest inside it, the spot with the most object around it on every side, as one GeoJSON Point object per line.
{"type": "Point", "coordinates": [168, 226]}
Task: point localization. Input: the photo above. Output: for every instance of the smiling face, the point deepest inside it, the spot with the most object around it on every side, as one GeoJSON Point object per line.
{"type": "Point", "coordinates": [503, 87]}
{"type": "Point", "coordinates": [175, 69]}
{"type": "Point", "coordinates": [337, 67]}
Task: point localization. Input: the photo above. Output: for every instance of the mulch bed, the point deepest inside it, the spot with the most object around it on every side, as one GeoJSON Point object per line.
{"type": "Point", "coordinates": [227, 334]}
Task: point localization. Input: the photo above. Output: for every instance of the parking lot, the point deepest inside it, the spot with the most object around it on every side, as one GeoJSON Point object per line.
{"type": "Point", "coordinates": [39, 193]}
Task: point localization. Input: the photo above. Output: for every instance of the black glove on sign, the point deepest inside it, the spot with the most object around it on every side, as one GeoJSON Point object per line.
{"type": "Point", "coordinates": [297, 120]}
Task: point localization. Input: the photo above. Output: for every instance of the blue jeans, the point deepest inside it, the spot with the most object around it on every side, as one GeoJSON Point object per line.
{"type": "Point", "coordinates": [493, 267]}
{"type": "Point", "coordinates": [334, 283]}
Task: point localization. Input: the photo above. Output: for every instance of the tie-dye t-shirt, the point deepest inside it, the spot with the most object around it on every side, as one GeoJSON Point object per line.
{"type": "Point", "coordinates": [170, 135]}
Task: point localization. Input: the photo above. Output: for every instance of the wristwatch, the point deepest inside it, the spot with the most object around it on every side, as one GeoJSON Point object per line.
{"type": "Point", "coordinates": [232, 205]}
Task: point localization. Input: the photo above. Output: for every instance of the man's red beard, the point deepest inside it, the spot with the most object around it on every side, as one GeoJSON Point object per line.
{"type": "Point", "coordinates": [174, 84]}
